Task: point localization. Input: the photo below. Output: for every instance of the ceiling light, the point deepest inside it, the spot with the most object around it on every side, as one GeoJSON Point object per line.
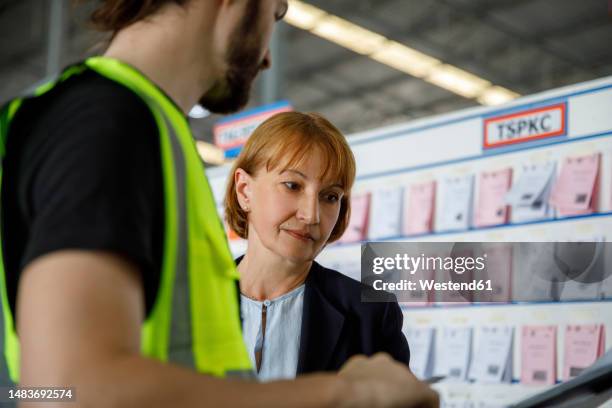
{"type": "Point", "coordinates": [348, 35]}
{"type": "Point", "coordinates": [302, 15]}
{"type": "Point", "coordinates": [210, 153]}
{"type": "Point", "coordinates": [405, 59]}
{"type": "Point", "coordinates": [496, 95]}
{"type": "Point", "coordinates": [395, 54]}
{"type": "Point", "coordinates": [457, 80]}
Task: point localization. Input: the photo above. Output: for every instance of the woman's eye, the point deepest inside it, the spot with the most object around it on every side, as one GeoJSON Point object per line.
{"type": "Point", "coordinates": [291, 185]}
{"type": "Point", "coordinates": [332, 197]}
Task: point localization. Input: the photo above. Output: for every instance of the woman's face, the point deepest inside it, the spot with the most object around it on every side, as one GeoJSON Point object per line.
{"type": "Point", "coordinates": [291, 212]}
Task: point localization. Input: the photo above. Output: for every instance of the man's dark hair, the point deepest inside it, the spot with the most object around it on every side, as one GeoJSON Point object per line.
{"type": "Point", "coordinates": [113, 15]}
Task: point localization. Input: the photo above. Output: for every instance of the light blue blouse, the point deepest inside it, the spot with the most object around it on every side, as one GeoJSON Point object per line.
{"type": "Point", "coordinates": [281, 344]}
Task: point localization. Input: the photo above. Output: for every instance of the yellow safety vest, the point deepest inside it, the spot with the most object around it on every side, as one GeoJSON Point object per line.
{"type": "Point", "coordinates": [195, 318]}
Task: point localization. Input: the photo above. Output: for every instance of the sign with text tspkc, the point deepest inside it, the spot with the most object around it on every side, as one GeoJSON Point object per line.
{"type": "Point", "coordinates": [525, 125]}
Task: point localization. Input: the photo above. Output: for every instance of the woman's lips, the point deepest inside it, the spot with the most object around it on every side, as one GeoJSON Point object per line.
{"type": "Point", "coordinates": [304, 237]}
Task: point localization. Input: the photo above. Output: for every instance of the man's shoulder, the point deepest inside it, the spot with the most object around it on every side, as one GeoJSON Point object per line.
{"type": "Point", "coordinates": [97, 88]}
{"type": "Point", "coordinates": [89, 96]}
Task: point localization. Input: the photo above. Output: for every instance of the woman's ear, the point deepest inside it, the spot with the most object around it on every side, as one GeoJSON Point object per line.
{"type": "Point", "coordinates": [242, 181]}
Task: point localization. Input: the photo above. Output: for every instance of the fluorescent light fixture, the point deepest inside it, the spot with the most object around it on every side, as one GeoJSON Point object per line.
{"type": "Point", "coordinates": [457, 80]}
{"type": "Point", "coordinates": [210, 153]}
{"type": "Point", "coordinates": [496, 95]}
{"type": "Point", "coordinates": [348, 35]}
{"type": "Point", "coordinates": [198, 112]}
{"type": "Point", "coordinates": [405, 59]}
{"type": "Point", "coordinates": [303, 15]}
{"type": "Point", "coordinates": [395, 54]}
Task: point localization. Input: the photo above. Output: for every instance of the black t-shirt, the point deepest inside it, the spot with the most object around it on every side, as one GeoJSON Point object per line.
{"type": "Point", "coordinates": [83, 171]}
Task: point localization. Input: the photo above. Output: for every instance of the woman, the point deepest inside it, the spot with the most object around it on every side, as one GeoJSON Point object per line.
{"type": "Point", "coordinates": [289, 197]}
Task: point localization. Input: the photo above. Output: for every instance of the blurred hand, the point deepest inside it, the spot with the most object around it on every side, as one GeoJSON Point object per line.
{"type": "Point", "coordinates": [381, 382]}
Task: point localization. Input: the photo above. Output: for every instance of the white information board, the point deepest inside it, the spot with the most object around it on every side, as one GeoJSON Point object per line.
{"type": "Point", "coordinates": [555, 127]}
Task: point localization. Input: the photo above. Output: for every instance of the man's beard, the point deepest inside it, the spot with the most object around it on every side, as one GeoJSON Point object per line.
{"type": "Point", "coordinates": [231, 93]}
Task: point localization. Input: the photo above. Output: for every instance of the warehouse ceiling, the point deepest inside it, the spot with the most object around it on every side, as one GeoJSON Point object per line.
{"type": "Point", "coordinates": [525, 46]}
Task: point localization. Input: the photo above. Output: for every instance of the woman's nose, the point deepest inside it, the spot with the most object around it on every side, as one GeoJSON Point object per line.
{"type": "Point", "coordinates": [308, 211]}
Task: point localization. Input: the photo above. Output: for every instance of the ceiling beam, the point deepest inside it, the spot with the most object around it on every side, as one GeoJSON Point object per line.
{"type": "Point", "coordinates": [430, 20]}
{"type": "Point", "coordinates": [498, 24]}
{"type": "Point", "coordinates": [355, 93]}
{"type": "Point", "coordinates": [467, 60]}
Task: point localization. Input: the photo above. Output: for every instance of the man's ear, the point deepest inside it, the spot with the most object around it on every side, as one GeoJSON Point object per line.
{"type": "Point", "coordinates": [243, 182]}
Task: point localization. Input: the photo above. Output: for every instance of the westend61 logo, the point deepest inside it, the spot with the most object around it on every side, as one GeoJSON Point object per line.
{"type": "Point", "coordinates": [466, 272]}
{"type": "Point", "coordinates": [411, 264]}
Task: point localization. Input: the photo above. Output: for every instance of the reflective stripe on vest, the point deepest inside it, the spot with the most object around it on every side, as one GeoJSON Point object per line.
{"type": "Point", "coordinates": [194, 320]}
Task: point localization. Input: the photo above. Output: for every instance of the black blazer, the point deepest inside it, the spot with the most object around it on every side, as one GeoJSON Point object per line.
{"type": "Point", "coordinates": [337, 325]}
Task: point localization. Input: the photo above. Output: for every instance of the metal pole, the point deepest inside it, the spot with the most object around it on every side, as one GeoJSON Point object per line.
{"type": "Point", "coordinates": [55, 41]}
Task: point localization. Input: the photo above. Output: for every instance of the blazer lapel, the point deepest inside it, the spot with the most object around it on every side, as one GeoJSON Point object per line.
{"type": "Point", "coordinates": [321, 327]}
